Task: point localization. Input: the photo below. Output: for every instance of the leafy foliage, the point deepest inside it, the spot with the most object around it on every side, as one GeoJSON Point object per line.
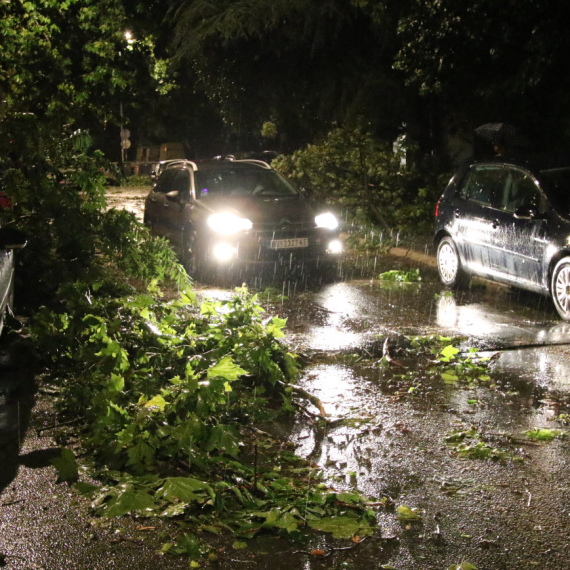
{"type": "Point", "coordinates": [469, 445]}
{"type": "Point", "coordinates": [168, 390]}
{"type": "Point", "coordinates": [351, 169]}
{"type": "Point", "coordinates": [544, 434]}
{"type": "Point", "coordinates": [332, 58]}
{"type": "Point", "coordinates": [399, 276]}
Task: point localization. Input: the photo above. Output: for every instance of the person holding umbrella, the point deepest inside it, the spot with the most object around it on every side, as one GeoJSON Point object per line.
{"type": "Point", "coordinates": [502, 136]}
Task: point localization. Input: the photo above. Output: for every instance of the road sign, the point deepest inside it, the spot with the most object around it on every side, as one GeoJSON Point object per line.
{"type": "Point", "coordinates": [125, 144]}
{"type": "Point", "coordinates": [125, 134]}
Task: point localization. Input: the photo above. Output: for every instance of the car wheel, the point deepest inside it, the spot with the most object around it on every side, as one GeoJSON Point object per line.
{"type": "Point", "coordinates": [449, 265]}
{"type": "Point", "coordinates": [560, 288]}
{"type": "Point", "coordinates": [190, 257]}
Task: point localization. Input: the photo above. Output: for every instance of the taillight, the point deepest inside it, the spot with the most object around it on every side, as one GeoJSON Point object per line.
{"type": "Point", "coordinates": [437, 208]}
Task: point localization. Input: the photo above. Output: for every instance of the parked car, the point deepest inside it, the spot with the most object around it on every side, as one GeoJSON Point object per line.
{"type": "Point", "coordinates": [507, 221]}
{"type": "Point", "coordinates": [221, 212]}
{"type": "Point", "coordinates": [10, 239]}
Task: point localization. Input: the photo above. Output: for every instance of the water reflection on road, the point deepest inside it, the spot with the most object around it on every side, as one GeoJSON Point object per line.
{"type": "Point", "coordinates": [390, 423]}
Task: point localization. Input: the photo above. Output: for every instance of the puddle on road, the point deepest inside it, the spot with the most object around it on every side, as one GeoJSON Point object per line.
{"type": "Point", "coordinates": [392, 440]}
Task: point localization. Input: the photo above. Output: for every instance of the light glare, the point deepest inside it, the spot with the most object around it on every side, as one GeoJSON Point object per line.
{"type": "Point", "coordinates": [224, 251]}
{"type": "Point", "coordinates": [335, 246]}
{"type": "Point", "coordinates": [327, 221]}
{"type": "Point", "coordinates": [228, 223]}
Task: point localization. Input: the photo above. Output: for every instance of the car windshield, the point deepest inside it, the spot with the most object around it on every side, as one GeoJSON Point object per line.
{"type": "Point", "coordinates": [242, 182]}
{"type": "Point", "coordinates": [556, 182]}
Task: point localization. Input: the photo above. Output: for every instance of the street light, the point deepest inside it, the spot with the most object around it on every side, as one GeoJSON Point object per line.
{"type": "Point", "coordinates": [125, 133]}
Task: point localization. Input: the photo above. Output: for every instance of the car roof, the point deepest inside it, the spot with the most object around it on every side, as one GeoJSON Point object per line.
{"type": "Point", "coordinates": [206, 165]}
{"type": "Point", "coordinates": [534, 162]}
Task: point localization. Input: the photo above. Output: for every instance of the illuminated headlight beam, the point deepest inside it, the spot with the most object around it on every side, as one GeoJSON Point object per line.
{"type": "Point", "coordinates": [327, 221]}
{"type": "Point", "coordinates": [224, 251]}
{"type": "Point", "coordinates": [335, 246]}
{"type": "Point", "coordinates": [227, 223]}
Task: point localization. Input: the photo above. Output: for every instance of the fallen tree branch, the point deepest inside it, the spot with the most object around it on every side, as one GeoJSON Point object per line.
{"type": "Point", "coordinates": [386, 355]}
{"type": "Point", "coordinates": [304, 394]}
{"type": "Point", "coordinates": [331, 550]}
{"type": "Point", "coordinates": [60, 424]}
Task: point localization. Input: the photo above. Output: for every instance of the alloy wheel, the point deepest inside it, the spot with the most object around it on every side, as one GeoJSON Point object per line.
{"type": "Point", "coordinates": [447, 262]}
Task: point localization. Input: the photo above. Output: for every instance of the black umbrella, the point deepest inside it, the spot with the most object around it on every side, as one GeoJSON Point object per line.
{"type": "Point", "coordinates": [502, 134]}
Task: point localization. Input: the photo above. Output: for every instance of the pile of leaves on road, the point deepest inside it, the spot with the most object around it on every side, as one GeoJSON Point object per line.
{"type": "Point", "coordinates": [165, 392]}
{"type": "Point", "coordinates": [168, 393]}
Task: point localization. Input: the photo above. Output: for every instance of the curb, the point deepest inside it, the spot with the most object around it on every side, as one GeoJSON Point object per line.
{"type": "Point", "coordinates": [414, 255]}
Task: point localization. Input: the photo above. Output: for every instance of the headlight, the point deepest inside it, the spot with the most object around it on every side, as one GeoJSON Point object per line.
{"type": "Point", "coordinates": [224, 251]}
{"type": "Point", "coordinates": [228, 224]}
{"type": "Point", "coordinates": [327, 221]}
{"type": "Point", "coordinates": [335, 246]}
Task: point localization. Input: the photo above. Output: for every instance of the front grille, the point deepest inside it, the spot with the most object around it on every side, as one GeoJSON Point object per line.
{"type": "Point", "coordinates": [285, 229]}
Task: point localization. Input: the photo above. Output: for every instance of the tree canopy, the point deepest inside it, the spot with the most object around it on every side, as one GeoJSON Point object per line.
{"type": "Point", "coordinates": [198, 70]}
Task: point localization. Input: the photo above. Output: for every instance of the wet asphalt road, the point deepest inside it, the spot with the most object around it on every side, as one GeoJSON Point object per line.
{"type": "Point", "coordinates": [387, 437]}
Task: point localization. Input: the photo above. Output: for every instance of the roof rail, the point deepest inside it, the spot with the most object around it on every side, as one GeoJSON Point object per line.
{"type": "Point", "coordinates": [253, 161]}
{"type": "Point", "coordinates": [176, 162]}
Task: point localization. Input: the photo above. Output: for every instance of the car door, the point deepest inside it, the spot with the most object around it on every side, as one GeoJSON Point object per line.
{"type": "Point", "coordinates": [157, 205]}
{"type": "Point", "coordinates": [177, 209]}
{"type": "Point", "coordinates": [478, 191]}
{"type": "Point", "coordinates": [519, 230]}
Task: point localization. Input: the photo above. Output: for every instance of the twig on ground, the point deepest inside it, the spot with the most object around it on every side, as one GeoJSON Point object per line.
{"type": "Point", "coordinates": [12, 503]}
{"type": "Point", "coordinates": [304, 394]}
{"type": "Point", "coordinates": [60, 424]}
{"type": "Point", "coordinates": [386, 355]}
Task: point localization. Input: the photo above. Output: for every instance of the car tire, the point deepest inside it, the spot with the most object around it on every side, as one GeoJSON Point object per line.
{"type": "Point", "coordinates": [451, 272]}
{"type": "Point", "coordinates": [560, 288]}
{"type": "Point", "coordinates": [190, 258]}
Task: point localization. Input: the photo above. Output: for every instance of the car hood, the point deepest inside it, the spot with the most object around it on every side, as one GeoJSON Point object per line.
{"type": "Point", "coordinates": [262, 209]}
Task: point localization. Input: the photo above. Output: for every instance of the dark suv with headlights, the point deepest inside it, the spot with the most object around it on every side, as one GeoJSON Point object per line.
{"type": "Point", "coordinates": [508, 221]}
{"type": "Point", "coordinates": [222, 212]}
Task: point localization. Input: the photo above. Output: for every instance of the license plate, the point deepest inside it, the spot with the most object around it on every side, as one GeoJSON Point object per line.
{"type": "Point", "coordinates": [289, 243]}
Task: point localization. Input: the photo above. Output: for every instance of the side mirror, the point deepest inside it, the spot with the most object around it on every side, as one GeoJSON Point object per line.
{"type": "Point", "coordinates": [11, 238]}
{"type": "Point", "coordinates": [173, 196]}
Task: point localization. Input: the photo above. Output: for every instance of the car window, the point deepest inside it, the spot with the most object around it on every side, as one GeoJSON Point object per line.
{"type": "Point", "coordinates": [181, 182]}
{"type": "Point", "coordinates": [520, 190]}
{"type": "Point", "coordinates": [483, 184]}
{"type": "Point", "coordinates": [242, 182]}
{"type": "Point", "coordinates": [556, 183]}
{"type": "Point", "coordinates": [166, 181]}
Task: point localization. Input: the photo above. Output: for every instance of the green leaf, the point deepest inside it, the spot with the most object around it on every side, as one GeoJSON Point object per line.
{"type": "Point", "coordinates": [86, 489]}
{"type": "Point", "coordinates": [157, 404]}
{"type": "Point", "coordinates": [226, 369]}
{"type": "Point", "coordinates": [544, 434]}
{"type": "Point", "coordinates": [221, 438]}
{"type": "Point", "coordinates": [141, 454]}
{"type": "Point", "coordinates": [174, 510]}
{"type": "Point", "coordinates": [449, 378]}
{"type": "Point", "coordinates": [184, 489]}
{"type": "Point", "coordinates": [239, 545]}
{"type": "Point", "coordinates": [448, 353]}
{"type": "Point", "coordinates": [129, 501]}
{"type": "Point", "coordinates": [116, 383]}
{"type": "Point", "coordinates": [407, 514]}
{"type": "Point", "coordinates": [186, 544]}
{"type": "Point", "coordinates": [275, 327]}
{"type": "Point", "coordinates": [66, 466]}
{"type": "Point", "coordinates": [340, 526]}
